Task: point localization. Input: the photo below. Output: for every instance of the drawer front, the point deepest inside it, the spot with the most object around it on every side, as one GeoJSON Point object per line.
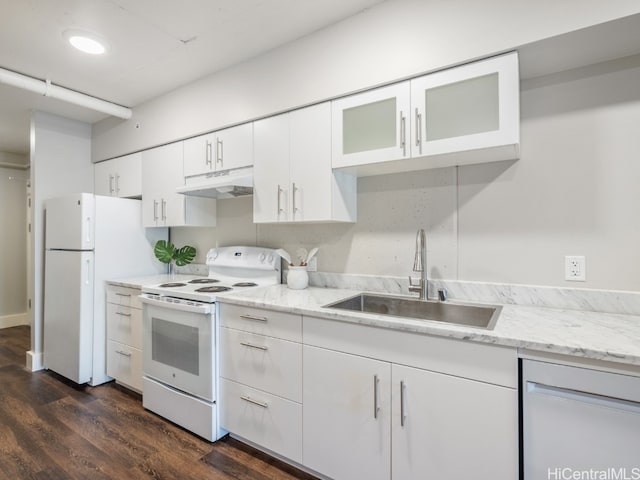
{"type": "Point", "coordinates": [265, 363]}
{"type": "Point", "coordinates": [477, 361]}
{"type": "Point", "coordinates": [124, 296]}
{"type": "Point", "coordinates": [124, 364]}
{"type": "Point", "coordinates": [124, 325]}
{"type": "Point", "coordinates": [287, 326]}
{"type": "Point", "coordinates": [269, 421]}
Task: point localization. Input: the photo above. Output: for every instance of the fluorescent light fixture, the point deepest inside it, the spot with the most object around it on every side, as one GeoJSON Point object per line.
{"type": "Point", "coordinates": [86, 42]}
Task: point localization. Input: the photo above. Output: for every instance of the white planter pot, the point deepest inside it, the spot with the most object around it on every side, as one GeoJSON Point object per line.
{"type": "Point", "coordinates": [297, 278]}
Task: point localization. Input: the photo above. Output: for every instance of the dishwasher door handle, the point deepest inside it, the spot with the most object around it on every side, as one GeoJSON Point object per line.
{"type": "Point", "coordinates": [583, 397]}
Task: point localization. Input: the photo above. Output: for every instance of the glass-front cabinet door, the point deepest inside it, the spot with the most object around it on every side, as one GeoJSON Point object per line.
{"type": "Point", "coordinates": [371, 127]}
{"type": "Point", "coordinates": [466, 108]}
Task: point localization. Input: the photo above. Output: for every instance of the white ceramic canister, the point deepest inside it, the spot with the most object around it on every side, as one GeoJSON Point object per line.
{"type": "Point", "coordinates": [297, 277]}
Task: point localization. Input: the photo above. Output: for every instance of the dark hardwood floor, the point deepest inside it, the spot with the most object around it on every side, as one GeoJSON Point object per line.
{"type": "Point", "coordinates": [53, 429]}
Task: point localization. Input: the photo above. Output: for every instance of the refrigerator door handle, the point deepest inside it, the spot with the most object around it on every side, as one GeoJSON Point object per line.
{"type": "Point", "coordinates": [88, 239]}
{"type": "Point", "coordinates": [88, 279]}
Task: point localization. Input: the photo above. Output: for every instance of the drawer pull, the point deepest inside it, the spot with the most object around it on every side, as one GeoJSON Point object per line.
{"type": "Point", "coordinates": [255, 402]}
{"type": "Point", "coordinates": [123, 294]}
{"type": "Point", "coordinates": [124, 354]}
{"type": "Point", "coordinates": [123, 314]}
{"type": "Point", "coordinates": [252, 345]}
{"type": "Point", "coordinates": [253, 317]}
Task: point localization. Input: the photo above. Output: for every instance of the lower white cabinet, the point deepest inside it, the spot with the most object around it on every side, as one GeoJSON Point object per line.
{"type": "Point", "coordinates": [350, 401]}
{"type": "Point", "coordinates": [267, 420]}
{"type": "Point", "coordinates": [124, 363]}
{"type": "Point", "coordinates": [347, 413]}
{"type": "Point", "coordinates": [124, 336]}
{"type": "Point", "coordinates": [261, 378]}
{"type": "Point", "coordinates": [266, 363]}
{"type": "Point", "coordinates": [452, 428]}
{"type": "Point", "coordinates": [365, 418]}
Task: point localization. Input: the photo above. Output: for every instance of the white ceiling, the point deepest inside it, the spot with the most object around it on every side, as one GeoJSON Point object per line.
{"type": "Point", "coordinates": [156, 46]}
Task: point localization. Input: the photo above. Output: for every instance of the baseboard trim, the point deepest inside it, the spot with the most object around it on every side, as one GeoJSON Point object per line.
{"type": "Point", "coordinates": [35, 361]}
{"type": "Point", "coordinates": [7, 321]}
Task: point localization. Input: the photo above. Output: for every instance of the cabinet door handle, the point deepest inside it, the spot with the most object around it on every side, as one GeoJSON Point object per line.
{"type": "Point", "coordinates": [155, 210]}
{"type": "Point", "coordinates": [117, 184]}
{"type": "Point", "coordinates": [123, 294]}
{"type": "Point", "coordinates": [110, 184]}
{"type": "Point", "coordinates": [123, 314]}
{"type": "Point", "coordinates": [253, 345]}
{"type": "Point", "coordinates": [164, 209]}
{"type": "Point", "coordinates": [376, 408]}
{"type": "Point", "coordinates": [220, 151]}
{"type": "Point", "coordinates": [124, 354]}
{"type": "Point", "coordinates": [403, 411]}
{"type": "Point", "coordinates": [403, 133]}
{"type": "Point", "coordinates": [255, 402]}
{"type": "Point", "coordinates": [294, 189]}
{"type": "Point", "coordinates": [280, 210]}
{"type": "Point", "coordinates": [419, 130]}
{"type": "Point", "coordinates": [208, 155]}
{"type": "Point", "coordinates": [253, 317]}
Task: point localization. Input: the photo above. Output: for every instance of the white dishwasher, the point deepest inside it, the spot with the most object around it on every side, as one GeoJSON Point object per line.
{"type": "Point", "coordinates": [579, 423]}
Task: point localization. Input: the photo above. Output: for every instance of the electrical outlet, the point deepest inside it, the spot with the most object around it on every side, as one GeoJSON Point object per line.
{"type": "Point", "coordinates": [575, 268]}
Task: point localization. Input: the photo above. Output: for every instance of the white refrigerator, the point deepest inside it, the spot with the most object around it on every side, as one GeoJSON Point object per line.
{"type": "Point", "coordinates": [89, 239]}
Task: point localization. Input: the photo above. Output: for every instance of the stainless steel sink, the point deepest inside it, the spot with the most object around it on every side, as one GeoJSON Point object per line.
{"type": "Point", "coordinates": [480, 316]}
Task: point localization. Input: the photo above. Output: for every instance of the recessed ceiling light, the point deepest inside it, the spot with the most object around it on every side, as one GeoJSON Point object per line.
{"type": "Point", "coordinates": [86, 42]}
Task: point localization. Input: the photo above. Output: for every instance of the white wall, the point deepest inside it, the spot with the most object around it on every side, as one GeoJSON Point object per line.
{"type": "Point", "coordinates": [574, 191]}
{"type": "Point", "coordinates": [394, 40]}
{"type": "Point", "coordinates": [13, 244]}
{"type": "Point", "coordinates": [60, 164]}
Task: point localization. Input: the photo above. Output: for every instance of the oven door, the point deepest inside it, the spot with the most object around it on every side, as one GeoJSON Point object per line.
{"type": "Point", "coordinates": [178, 349]}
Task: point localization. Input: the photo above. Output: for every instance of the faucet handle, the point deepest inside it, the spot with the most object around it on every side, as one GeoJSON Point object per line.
{"type": "Point", "coordinates": [411, 284]}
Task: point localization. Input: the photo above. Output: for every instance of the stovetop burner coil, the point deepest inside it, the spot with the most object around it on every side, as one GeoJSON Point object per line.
{"type": "Point", "coordinates": [245, 284]}
{"type": "Point", "coordinates": [204, 280]}
{"type": "Point", "coordinates": [216, 289]}
{"type": "Point", "coordinates": [172, 284]}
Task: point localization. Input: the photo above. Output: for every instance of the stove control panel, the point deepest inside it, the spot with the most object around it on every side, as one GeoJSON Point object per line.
{"type": "Point", "coordinates": [246, 258]}
{"type": "Point", "coordinates": [176, 303]}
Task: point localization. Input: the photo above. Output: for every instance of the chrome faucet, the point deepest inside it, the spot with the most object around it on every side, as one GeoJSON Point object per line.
{"type": "Point", "coordinates": [420, 265]}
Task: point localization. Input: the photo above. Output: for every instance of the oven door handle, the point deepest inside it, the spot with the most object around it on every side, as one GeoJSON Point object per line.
{"type": "Point", "coordinates": [181, 305]}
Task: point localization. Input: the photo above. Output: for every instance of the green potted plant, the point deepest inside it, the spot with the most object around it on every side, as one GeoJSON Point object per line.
{"type": "Point", "coordinates": [167, 252]}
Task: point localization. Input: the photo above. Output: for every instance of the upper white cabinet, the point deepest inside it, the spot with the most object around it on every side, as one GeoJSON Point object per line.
{"type": "Point", "coordinates": [468, 108]}
{"type": "Point", "coordinates": [162, 173]}
{"type": "Point", "coordinates": [119, 177]}
{"type": "Point", "coordinates": [371, 127]}
{"type": "Point", "coordinates": [467, 114]}
{"type": "Point", "coordinates": [222, 150]}
{"type": "Point", "coordinates": [293, 178]}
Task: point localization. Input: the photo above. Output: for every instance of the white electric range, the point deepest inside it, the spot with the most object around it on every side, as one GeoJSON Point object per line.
{"type": "Point", "coordinates": [180, 335]}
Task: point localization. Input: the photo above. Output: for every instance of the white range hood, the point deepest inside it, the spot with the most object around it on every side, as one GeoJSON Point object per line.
{"type": "Point", "coordinates": [225, 184]}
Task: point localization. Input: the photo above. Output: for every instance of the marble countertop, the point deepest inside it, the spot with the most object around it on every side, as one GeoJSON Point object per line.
{"type": "Point", "coordinates": [139, 282]}
{"type": "Point", "coordinates": [594, 335]}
